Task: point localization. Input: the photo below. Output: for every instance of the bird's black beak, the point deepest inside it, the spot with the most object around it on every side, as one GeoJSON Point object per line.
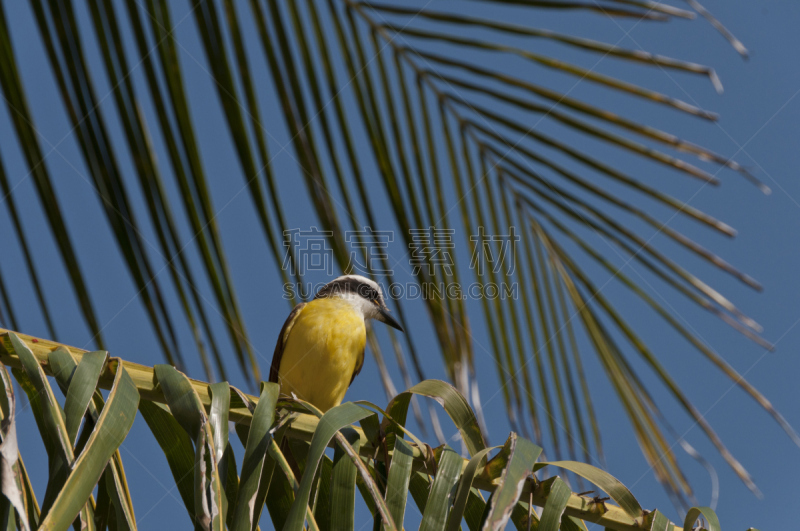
{"type": "Point", "coordinates": [385, 317]}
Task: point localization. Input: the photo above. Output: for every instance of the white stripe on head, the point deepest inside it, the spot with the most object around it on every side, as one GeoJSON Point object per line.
{"type": "Point", "coordinates": [356, 290]}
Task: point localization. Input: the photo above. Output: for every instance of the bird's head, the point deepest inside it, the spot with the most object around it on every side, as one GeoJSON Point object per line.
{"type": "Point", "coordinates": [363, 294]}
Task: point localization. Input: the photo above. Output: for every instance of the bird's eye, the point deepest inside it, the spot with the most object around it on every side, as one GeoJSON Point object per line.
{"type": "Point", "coordinates": [367, 292]}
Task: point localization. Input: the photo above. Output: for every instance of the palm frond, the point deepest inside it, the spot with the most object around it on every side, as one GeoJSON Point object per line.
{"type": "Point", "coordinates": [19, 111]}
{"type": "Point", "coordinates": [446, 487]}
{"type": "Point", "coordinates": [431, 100]}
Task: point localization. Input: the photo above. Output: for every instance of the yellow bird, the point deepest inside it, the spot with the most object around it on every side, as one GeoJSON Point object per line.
{"type": "Point", "coordinates": [320, 348]}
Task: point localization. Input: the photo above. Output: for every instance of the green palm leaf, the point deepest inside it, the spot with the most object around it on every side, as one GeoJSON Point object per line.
{"type": "Point", "coordinates": [177, 409]}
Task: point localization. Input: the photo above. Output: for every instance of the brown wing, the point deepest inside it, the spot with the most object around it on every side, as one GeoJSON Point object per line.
{"type": "Point", "coordinates": [282, 337]}
{"type": "Point", "coordinates": [359, 365]}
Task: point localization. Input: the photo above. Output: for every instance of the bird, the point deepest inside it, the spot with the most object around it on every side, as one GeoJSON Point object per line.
{"type": "Point", "coordinates": [320, 349]}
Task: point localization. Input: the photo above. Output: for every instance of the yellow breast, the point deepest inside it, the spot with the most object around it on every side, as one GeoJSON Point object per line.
{"type": "Point", "coordinates": [323, 350]}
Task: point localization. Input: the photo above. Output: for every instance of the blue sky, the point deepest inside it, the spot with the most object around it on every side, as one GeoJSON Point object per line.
{"type": "Point", "coordinates": [758, 126]}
